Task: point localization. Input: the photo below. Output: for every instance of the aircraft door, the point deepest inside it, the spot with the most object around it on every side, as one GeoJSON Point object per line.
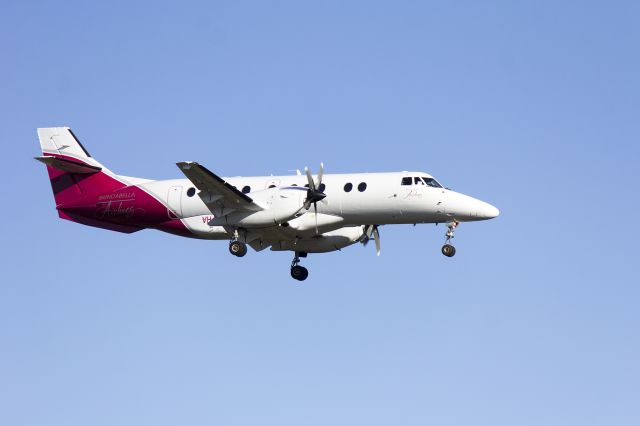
{"type": "Point", "coordinates": [174, 202]}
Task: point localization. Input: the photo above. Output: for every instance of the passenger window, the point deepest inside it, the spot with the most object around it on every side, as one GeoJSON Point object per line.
{"type": "Point", "coordinates": [191, 192]}
{"type": "Point", "coordinates": [272, 186]}
{"type": "Point", "coordinates": [418, 181]}
{"type": "Point", "coordinates": [322, 187]}
{"type": "Point", "coordinates": [246, 189]}
{"type": "Point", "coordinates": [406, 181]}
{"type": "Point", "coordinates": [348, 187]}
{"type": "Point", "coordinates": [362, 187]}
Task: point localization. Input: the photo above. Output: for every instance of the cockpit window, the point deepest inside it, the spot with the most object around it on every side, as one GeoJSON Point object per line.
{"type": "Point", "coordinates": [432, 182]}
{"type": "Point", "coordinates": [418, 180]}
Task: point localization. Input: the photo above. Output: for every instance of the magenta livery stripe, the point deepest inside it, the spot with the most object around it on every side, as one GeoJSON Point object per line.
{"type": "Point", "coordinates": [103, 201]}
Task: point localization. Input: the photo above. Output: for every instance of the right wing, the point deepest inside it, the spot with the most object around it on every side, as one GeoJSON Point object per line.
{"type": "Point", "coordinates": [220, 197]}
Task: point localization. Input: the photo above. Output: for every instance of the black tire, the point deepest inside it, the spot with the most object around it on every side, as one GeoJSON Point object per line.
{"type": "Point", "coordinates": [237, 248]}
{"type": "Point", "coordinates": [448, 250]}
{"type": "Point", "coordinates": [305, 274]}
{"type": "Point", "coordinates": [299, 273]}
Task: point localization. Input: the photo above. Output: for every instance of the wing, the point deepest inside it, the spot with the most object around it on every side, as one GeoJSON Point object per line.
{"type": "Point", "coordinates": [219, 196]}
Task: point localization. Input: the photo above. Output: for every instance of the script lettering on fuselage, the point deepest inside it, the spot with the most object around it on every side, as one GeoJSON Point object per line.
{"type": "Point", "coordinates": [207, 219]}
{"type": "Point", "coordinates": [118, 205]}
{"type": "Point", "coordinates": [413, 194]}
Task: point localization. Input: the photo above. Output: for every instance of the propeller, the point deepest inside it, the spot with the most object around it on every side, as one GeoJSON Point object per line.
{"type": "Point", "coordinates": [369, 231]}
{"type": "Point", "coordinates": [314, 194]}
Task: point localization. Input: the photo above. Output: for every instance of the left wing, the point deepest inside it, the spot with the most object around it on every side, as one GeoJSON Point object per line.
{"type": "Point", "coordinates": [219, 196]}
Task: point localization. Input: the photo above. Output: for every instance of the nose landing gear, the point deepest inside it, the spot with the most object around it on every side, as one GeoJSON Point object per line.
{"type": "Point", "coordinates": [298, 272]}
{"type": "Point", "coordinates": [447, 249]}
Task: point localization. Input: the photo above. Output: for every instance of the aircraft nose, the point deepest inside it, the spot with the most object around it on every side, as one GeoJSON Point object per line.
{"type": "Point", "coordinates": [465, 208]}
{"type": "Point", "coordinates": [487, 211]}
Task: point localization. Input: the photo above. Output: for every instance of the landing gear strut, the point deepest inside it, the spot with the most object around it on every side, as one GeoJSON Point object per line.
{"type": "Point", "coordinates": [447, 249]}
{"type": "Point", "coordinates": [298, 272]}
{"type": "Point", "coordinates": [236, 247]}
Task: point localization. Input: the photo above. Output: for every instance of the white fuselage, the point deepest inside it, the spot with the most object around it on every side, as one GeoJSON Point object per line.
{"type": "Point", "coordinates": [384, 200]}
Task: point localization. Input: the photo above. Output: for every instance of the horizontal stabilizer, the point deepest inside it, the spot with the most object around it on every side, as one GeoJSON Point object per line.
{"type": "Point", "coordinates": [68, 166]}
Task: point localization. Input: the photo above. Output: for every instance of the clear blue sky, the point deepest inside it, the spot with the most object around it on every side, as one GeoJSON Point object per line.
{"type": "Point", "coordinates": [532, 106]}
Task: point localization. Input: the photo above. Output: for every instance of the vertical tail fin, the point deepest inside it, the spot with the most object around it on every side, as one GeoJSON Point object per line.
{"type": "Point", "coordinates": [72, 171]}
{"type": "Point", "coordinates": [62, 141]}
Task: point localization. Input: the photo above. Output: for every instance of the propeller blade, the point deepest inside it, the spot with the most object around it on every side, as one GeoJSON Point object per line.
{"type": "Point", "coordinates": [366, 235]}
{"type": "Point", "coordinates": [312, 185]}
{"type": "Point", "coordinates": [320, 174]}
{"type": "Point", "coordinates": [369, 231]}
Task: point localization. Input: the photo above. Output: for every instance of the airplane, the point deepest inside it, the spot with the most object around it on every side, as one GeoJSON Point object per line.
{"type": "Point", "coordinates": [300, 213]}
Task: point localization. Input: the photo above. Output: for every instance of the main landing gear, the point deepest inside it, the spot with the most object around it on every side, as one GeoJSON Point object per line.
{"type": "Point", "coordinates": [447, 249]}
{"type": "Point", "coordinates": [236, 247]}
{"type": "Point", "coordinates": [298, 272]}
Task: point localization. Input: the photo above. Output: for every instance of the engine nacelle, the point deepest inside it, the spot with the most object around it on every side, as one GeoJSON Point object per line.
{"type": "Point", "coordinates": [279, 204]}
{"type": "Point", "coordinates": [305, 225]}
{"type": "Point", "coordinates": [329, 241]}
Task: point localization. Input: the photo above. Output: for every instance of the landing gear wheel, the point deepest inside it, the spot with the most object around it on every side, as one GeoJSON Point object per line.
{"type": "Point", "coordinates": [237, 248]}
{"type": "Point", "coordinates": [299, 273]}
{"type": "Point", "coordinates": [448, 250]}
